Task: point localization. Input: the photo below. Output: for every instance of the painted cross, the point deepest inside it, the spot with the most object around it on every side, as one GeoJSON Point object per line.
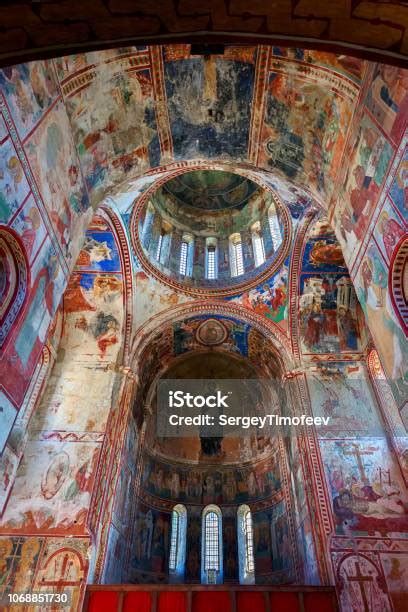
{"type": "Point", "coordinates": [361, 579]}
{"type": "Point", "coordinates": [358, 452]}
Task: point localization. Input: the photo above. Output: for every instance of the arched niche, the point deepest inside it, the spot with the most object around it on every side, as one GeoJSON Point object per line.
{"type": "Point", "coordinates": [398, 280]}
{"type": "Point", "coordinates": [14, 281]}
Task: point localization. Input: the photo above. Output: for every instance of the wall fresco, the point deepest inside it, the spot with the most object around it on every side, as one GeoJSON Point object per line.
{"type": "Point", "coordinates": [52, 489]}
{"type": "Point", "coordinates": [201, 485]}
{"type": "Point", "coordinates": [368, 494]}
{"type": "Point", "coordinates": [328, 308]}
{"type": "Point", "coordinates": [372, 281]}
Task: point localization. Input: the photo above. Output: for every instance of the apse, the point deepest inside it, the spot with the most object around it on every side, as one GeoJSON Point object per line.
{"type": "Point", "coordinates": [185, 486]}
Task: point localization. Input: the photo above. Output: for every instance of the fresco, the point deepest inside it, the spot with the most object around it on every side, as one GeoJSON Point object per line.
{"type": "Point", "coordinates": [353, 572]}
{"type": "Point", "coordinates": [395, 567]}
{"type": "Point", "coordinates": [112, 573]}
{"type": "Point", "coordinates": [399, 187]}
{"type": "Point", "coordinates": [209, 102]}
{"type": "Point", "coordinates": [389, 229]}
{"type": "Point", "coordinates": [93, 307]}
{"type": "Point", "coordinates": [30, 89]}
{"type": "Point", "coordinates": [54, 161]}
{"type": "Point", "coordinates": [305, 126]}
{"type": "Point", "coordinates": [23, 350]}
{"type": "Point", "coordinates": [18, 560]}
{"type": "Point", "coordinates": [342, 391]}
{"type": "Point", "coordinates": [186, 338]}
{"type": "Point", "coordinates": [369, 161]}
{"type": "Point", "coordinates": [270, 299]}
{"type": "Point", "coordinates": [119, 134]}
{"type": "Point", "coordinates": [154, 297]}
{"type": "Point", "coordinates": [13, 183]}
{"type": "Point", "coordinates": [328, 314]}
{"type": "Point", "coordinates": [351, 67]}
{"type": "Point", "coordinates": [52, 489]}
{"type": "Point", "coordinates": [211, 190]}
{"type": "Point", "coordinates": [9, 461]}
{"type": "Point", "coordinates": [281, 546]}
{"type": "Point", "coordinates": [152, 535]}
{"type": "Point", "coordinates": [372, 281]}
{"type": "Point", "coordinates": [368, 494]}
{"type": "Point", "coordinates": [30, 226]}
{"type": "Point", "coordinates": [201, 485]}
{"type": "Point", "coordinates": [387, 99]}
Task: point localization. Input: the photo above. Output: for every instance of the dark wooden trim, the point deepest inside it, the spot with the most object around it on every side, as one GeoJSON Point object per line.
{"type": "Point", "coordinates": [373, 54]}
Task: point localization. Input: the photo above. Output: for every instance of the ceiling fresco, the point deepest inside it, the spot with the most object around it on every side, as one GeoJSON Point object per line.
{"type": "Point", "coordinates": [137, 108]}
{"type": "Point", "coordinates": [211, 190]}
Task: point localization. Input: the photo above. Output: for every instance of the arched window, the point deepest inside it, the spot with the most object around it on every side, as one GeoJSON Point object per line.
{"type": "Point", "coordinates": [245, 545]}
{"type": "Point", "coordinates": [274, 227]}
{"type": "Point", "coordinates": [236, 257]}
{"type": "Point", "coordinates": [211, 550]}
{"type": "Point", "coordinates": [163, 243]}
{"type": "Point", "coordinates": [186, 255]}
{"type": "Point", "coordinates": [177, 558]}
{"type": "Point", "coordinates": [159, 245]}
{"type": "Point", "coordinates": [258, 244]}
{"type": "Point", "coordinates": [148, 222]}
{"type": "Point", "coordinates": [211, 259]}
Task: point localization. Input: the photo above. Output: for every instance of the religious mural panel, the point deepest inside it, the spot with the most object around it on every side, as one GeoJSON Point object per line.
{"type": "Point", "coordinates": [119, 134]}
{"type": "Point", "coordinates": [368, 163]}
{"type": "Point", "coordinates": [14, 187]}
{"type": "Point", "coordinates": [368, 493]}
{"type": "Point", "coordinates": [387, 99]}
{"type": "Point", "coordinates": [30, 90]}
{"type": "Point", "coordinates": [52, 489]}
{"type": "Point", "coordinates": [209, 102]}
{"type": "Point", "coordinates": [54, 161]}
{"type": "Point", "coordinates": [372, 282]}
{"type": "Point", "coordinates": [328, 307]}
{"type": "Point", "coordinates": [197, 484]}
{"type": "Point", "coordinates": [304, 144]}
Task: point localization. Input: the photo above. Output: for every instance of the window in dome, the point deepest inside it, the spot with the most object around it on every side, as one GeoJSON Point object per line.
{"type": "Point", "coordinates": [237, 260]}
{"type": "Point", "coordinates": [211, 259]}
{"type": "Point", "coordinates": [159, 247]}
{"type": "Point", "coordinates": [274, 227]}
{"type": "Point", "coordinates": [258, 244]}
{"type": "Point", "coordinates": [186, 255]}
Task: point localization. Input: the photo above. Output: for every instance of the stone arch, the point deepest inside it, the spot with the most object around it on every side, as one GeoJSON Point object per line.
{"type": "Point", "coordinates": [398, 282]}
{"type": "Point", "coordinates": [14, 281]}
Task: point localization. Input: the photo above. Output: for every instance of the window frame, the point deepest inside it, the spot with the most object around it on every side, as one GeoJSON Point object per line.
{"type": "Point", "coordinates": [246, 555]}
{"type": "Point", "coordinates": [209, 574]}
{"type": "Point", "coordinates": [178, 543]}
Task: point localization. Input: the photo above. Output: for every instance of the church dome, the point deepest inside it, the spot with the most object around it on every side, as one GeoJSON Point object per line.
{"type": "Point", "coordinates": [210, 232]}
